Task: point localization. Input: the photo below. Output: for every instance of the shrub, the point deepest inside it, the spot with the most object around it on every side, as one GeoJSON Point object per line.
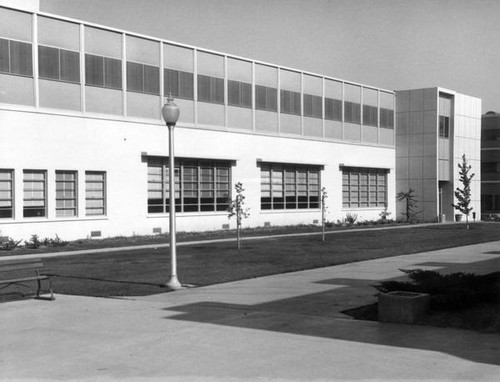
{"type": "Point", "coordinates": [9, 244]}
{"type": "Point", "coordinates": [384, 215]}
{"type": "Point", "coordinates": [448, 292]}
{"type": "Point", "coordinates": [57, 242]}
{"type": "Point", "coordinates": [350, 219]}
{"type": "Point", "coordinates": [33, 243]}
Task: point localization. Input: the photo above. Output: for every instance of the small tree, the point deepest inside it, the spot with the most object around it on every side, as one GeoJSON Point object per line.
{"type": "Point", "coordinates": [463, 195]}
{"type": "Point", "coordinates": [236, 208]}
{"type": "Point", "coordinates": [324, 196]}
{"type": "Point", "coordinates": [411, 204]}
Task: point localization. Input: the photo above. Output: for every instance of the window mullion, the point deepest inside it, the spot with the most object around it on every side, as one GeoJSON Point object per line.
{"type": "Point", "coordinates": [181, 188]}
{"type": "Point", "coordinates": [215, 188]}
{"type": "Point", "coordinates": [198, 185]}
{"type": "Point", "coordinates": [296, 188]}
{"type": "Point", "coordinates": [308, 185]}
{"type": "Point", "coordinates": [143, 82]}
{"type": "Point", "coordinates": [164, 181]}
{"type": "Point", "coordinates": [60, 64]}
{"type": "Point", "coordinates": [10, 56]}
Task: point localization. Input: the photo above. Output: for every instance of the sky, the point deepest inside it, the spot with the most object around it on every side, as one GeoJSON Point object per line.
{"type": "Point", "coordinates": [391, 44]}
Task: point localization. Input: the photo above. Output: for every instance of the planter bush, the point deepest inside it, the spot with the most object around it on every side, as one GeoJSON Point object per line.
{"type": "Point", "coordinates": [448, 292]}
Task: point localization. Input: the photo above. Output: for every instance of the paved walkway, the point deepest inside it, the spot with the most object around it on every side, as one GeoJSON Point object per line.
{"type": "Point", "coordinates": [279, 328]}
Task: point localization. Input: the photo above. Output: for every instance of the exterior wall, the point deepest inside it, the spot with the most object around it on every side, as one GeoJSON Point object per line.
{"type": "Point", "coordinates": [95, 106]}
{"type": "Point", "coordinates": [120, 148]}
{"type": "Point", "coordinates": [416, 149]}
{"type": "Point", "coordinates": [490, 165]}
{"type": "Point", "coordinates": [426, 162]}
{"type": "Point", "coordinates": [467, 140]}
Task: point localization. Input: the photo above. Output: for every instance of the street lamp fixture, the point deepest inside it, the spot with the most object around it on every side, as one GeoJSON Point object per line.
{"type": "Point", "coordinates": [170, 113]}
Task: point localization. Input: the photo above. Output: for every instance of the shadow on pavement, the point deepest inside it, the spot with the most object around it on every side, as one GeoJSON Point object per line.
{"type": "Point", "coordinates": [319, 315]}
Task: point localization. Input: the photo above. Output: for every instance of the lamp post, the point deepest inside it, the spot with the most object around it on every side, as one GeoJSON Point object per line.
{"type": "Point", "coordinates": [170, 113]}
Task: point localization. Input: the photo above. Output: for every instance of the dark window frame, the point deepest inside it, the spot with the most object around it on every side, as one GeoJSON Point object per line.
{"type": "Point", "coordinates": [313, 106]}
{"type": "Point", "coordinates": [289, 186]}
{"type": "Point", "coordinates": [178, 83]}
{"type": "Point", "coordinates": [12, 62]}
{"type": "Point", "coordinates": [333, 109]}
{"type": "Point", "coordinates": [147, 78]}
{"type": "Point", "coordinates": [364, 187]}
{"type": "Point", "coordinates": [7, 187]}
{"type": "Point", "coordinates": [239, 94]}
{"type": "Point", "coordinates": [290, 102]}
{"type": "Point", "coordinates": [266, 98]}
{"type": "Point", "coordinates": [210, 89]}
{"type": "Point", "coordinates": [370, 115]}
{"type": "Point", "coordinates": [92, 178]}
{"type": "Point", "coordinates": [352, 112]}
{"type": "Point", "coordinates": [386, 118]}
{"type": "Point", "coordinates": [444, 126]}
{"type": "Point", "coordinates": [37, 210]}
{"type": "Point", "coordinates": [68, 194]}
{"type": "Point", "coordinates": [61, 70]}
{"type": "Point", "coordinates": [106, 76]}
{"type": "Point", "coordinates": [200, 185]}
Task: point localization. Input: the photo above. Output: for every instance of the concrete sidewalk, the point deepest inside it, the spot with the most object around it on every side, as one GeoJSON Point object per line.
{"type": "Point", "coordinates": [286, 327]}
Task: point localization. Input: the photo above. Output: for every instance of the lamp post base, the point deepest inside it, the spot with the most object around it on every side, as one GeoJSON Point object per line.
{"type": "Point", "coordinates": [174, 283]}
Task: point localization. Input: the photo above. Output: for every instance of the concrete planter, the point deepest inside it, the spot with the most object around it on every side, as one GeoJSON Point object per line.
{"type": "Point", "coordinates": [402, 307]}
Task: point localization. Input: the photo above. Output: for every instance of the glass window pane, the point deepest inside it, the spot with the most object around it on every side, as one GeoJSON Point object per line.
{"type": "Point", "coordinates": [171, 82]}
{"type": "Point", "coordinates": [21, 60]}
{"type": "Point", "coordinates": [70, 66]}
{"type": "Point", "coordinates": [217, 90]}
{"type": "Point", "coordinates": [151, 79]}
{"type": "Point", "coordinates": [246, 95]}
{"type": "Point", "coordinates": [112, 73]}
{"type": "Point", "coordinates": [234, 93]}
{"type": "Point", "coordinates": [204, 88]}
{"type": "Point", "coordinates": [4, 56]}
{"type": "Point", "coordinates": [94, 70]}
{"type": "Point", "coordinates": [48, 62]}
{"type": "Point", "coordinates": [186, 85]}
{"type": "Point", "coordinates": [135, 78]}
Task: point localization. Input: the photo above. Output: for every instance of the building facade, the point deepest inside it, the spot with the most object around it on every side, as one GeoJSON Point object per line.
{"type": "Point", "coordinates": [84, 152]}
{"type": "Point", "coordinates": [490, 165]}
{"type": "Point", "coordinates": [435, 128]}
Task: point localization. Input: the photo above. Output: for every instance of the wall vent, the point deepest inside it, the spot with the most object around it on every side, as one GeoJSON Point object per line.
{"type": "Point", "coordinates": [157, 230]}
{"type": "Point", "coordinates": [225, 226]}
{"type": "Point", "coordinates": [95, 233]}
{"type": "Point", "coordinates": [267, 224]}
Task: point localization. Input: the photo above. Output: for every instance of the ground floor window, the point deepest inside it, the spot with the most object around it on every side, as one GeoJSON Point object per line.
{"type": "Point", "coordinates": [95, 193]}
{"type": "Point", "coordinates": [6, 194]}
{"type": "Point", "coordinates": [34, 193]}
{"type": "Point", "coordinates": [66, 200]}
{"type": "Point", "coordinates": [285, 186]}
{"type": "Point", "coordinates": [364, 187]}
{"type": "Point", "coordinates": [200, 185]}
{"type": "Point", "coordinates": [490, 203]}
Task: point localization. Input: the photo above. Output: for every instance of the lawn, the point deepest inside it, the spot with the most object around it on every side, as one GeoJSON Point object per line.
{"type": "Point", "coordinates": [142, 272]}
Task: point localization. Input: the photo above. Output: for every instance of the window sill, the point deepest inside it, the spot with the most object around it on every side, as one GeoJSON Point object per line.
{"type": "Point", "coordinates": [290, 211]}
{"type": "Point", "coordinates": [188, 214]}
{"type": "Point", "coordinates": [53, 220]}
{"type": "Point", "coordinates": [362, 208]}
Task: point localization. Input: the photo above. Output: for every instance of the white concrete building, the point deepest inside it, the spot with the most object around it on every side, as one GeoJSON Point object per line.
{"type": "Point", "coordinates": [435, 128]}
{"type": "Point", "coordinates": [83, 149]}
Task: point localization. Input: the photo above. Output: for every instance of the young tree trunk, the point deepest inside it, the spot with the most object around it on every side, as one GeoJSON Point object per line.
{"type": "Point", "coordinates": [322, 223]}
{"type": "Point", "coordinates": [238, 236]}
